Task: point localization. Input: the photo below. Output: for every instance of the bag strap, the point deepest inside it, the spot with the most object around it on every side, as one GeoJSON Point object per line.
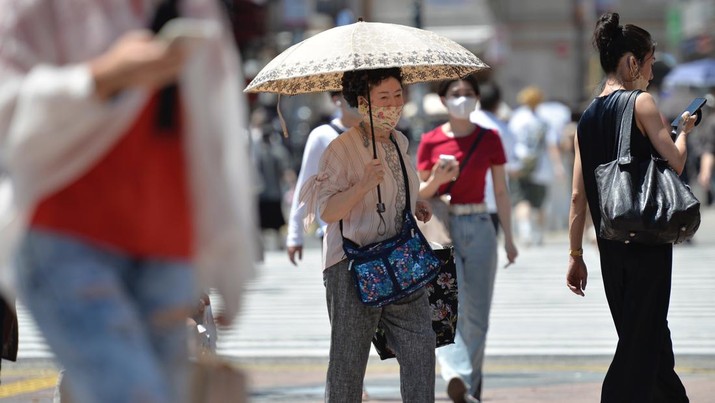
{"type": "Point", "coordinates": [466, 158]}
{"type": "Point", "coordinates": [336, 128]}
{"type": "Point", "coordinates": [404, 178]}
{"type": "Point", "coordinates": [166, 11]}
{"type": "Point", "coordinates": [624, 134]}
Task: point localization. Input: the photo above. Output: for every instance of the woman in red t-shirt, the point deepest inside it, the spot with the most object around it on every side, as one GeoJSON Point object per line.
{"type": "Point", "coordinates": [471, 228]}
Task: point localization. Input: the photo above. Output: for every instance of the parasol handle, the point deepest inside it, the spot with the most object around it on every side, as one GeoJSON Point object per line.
{"type": "Point", "coordinates": [380, 204]}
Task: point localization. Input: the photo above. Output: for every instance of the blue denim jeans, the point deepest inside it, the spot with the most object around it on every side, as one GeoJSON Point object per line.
{"type": "Point", "coordinates": [116, 323]}
{"type": "Point", "coordinates": [475, 247]}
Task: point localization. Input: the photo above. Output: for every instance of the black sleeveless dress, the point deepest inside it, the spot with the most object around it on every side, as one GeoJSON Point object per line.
{"type": "Point", "coordinates": [637, 278]}
{"type": "Point", "coordinates": [598, 141]}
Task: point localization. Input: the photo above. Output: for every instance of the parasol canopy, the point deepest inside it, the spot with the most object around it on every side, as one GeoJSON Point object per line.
{"type": "Point", "coordinates": [317, 63]}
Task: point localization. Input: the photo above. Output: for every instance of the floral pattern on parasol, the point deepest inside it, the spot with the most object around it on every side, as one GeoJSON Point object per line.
{"type": "Point", "coordinates": [317, 63]}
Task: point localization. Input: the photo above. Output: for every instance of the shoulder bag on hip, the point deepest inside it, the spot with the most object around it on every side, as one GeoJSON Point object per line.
{"type": "Point", "coordinates": [643, 201]}
{"type": "Point", "coordinates": [392, 269]}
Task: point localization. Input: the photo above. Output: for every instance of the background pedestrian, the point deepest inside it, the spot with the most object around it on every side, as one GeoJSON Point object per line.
{"type": "Point", "coordinates": [470, 226]}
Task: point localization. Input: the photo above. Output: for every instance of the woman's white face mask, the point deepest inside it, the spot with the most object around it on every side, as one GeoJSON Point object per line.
{"type": "Point", "coordinates": [461, 107]}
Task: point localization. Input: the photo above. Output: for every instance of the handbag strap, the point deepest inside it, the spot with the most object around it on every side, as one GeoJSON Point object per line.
{"type": "Point", "coordinates": [166, 118]}
{"type": "Point", "coordinates": [466, 158]}
{"type": "Point", "coordinates": [404, 178]}
{"type": "Point", "coordinates": [336, 128]}
{"type": "Point", "coordinates": [624, 133]}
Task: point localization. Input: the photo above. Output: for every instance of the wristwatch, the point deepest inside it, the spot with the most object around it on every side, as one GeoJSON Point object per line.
{"type": "Point", "coordinates": [576, 252]}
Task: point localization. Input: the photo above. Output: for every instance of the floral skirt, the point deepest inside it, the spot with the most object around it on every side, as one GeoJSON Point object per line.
{"type": "Point", "coordinates": [442, 292]}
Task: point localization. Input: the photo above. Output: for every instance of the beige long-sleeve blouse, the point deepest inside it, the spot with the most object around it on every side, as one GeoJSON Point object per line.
{"type": "Point", "coordinates": [341, 167]}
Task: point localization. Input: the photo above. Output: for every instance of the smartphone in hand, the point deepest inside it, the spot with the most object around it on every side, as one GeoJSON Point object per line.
{"type": "Point", "coordinates": [694, 108]}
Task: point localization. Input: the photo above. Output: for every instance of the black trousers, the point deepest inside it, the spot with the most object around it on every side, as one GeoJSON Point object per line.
{"type": "Point", "coordinates": [637, 281]}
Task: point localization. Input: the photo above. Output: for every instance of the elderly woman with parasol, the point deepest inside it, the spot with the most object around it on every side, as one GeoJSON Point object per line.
{"type": "Point", "coordinates": [344, 190]}
{"type": "Point", "coordinates": [364, 167]}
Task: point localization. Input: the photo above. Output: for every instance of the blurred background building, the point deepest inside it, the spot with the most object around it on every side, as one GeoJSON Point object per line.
{"type": "Point", "coordinates": [546, 43]}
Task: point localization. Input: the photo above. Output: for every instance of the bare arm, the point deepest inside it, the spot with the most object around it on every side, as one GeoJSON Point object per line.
{"type": "Point", "coordinates": [501, 195]}
{"type": "Point", "coordinates": [441, 173]}
{"type": "Point", "coordinates": [577, 275]}
{"type": "Point", "coordinates": [707, 162]}
{"type": "Point", "coordinates": [138, 60]}
{"type": "Point", "coordinates": [650, 123]}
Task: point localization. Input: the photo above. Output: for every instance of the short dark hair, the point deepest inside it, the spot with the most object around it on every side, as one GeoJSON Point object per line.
{"type": "Point", "coordinates": [356, 82]}
{"type": "Point", "coordinates": [470, 79]}
{"type": "Point", "coordinates": [490, 97]}
{"type": "Point", "coordinates": [614, 40]}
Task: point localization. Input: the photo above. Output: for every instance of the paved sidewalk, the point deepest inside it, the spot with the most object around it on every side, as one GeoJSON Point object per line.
{"type": "Point", "coordinates": [511, 379]}
{"type": "Point", "coordinates": [508, 379]}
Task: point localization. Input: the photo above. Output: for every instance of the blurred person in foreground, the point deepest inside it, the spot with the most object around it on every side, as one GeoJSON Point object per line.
{"type": "Point", "coordinates": [636, 277]}
{"type": "Point", "coordinates": [344, 191]}
{"type": "Point", "coordinates": [470, 227]}
{"type": "Point", "coordinates": [127, 155]}
{"type": "Point", "coordinates": [318, 141]}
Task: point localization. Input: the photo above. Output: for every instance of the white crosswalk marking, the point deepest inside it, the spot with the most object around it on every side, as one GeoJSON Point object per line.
{"type": "Point", "coordinates": [533, 312]}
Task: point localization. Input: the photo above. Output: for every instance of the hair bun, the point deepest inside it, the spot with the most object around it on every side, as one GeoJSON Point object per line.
{"type": "Point", "coordinates": [608, 28]}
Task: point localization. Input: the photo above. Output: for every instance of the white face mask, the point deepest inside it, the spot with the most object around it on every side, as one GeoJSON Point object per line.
{"type": "Point", "coordinates": [461, 107]}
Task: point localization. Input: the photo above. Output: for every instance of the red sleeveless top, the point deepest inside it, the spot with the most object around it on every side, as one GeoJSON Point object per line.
{"type": "Point", "coordinates": [136, 198]}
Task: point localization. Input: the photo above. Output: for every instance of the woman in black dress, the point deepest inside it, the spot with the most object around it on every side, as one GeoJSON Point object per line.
{"type": "Point", "coordinates": [636, 277]}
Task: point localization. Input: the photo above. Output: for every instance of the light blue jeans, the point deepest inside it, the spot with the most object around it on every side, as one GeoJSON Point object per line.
{"type": "Point", "coordinates": [116, 323]}
{"type": "Point", "coordinates": [475, 247]}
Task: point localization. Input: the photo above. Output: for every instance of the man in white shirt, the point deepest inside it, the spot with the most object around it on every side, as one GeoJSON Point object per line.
{"type": "Point", "coordinates": [486, 117]}
{"type": "Point", "coordinates": [318, 141]}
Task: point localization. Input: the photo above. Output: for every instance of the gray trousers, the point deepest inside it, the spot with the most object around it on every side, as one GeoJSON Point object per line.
{"type": "Point", "coordinates": [408, 327]}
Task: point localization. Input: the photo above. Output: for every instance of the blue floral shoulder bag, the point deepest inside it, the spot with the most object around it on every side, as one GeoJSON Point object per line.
{"type": "Point", "coordinates": [394, 268]}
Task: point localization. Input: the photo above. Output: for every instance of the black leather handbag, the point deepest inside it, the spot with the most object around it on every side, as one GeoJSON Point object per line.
{"type": "Point", "coordinates": [643, 201]}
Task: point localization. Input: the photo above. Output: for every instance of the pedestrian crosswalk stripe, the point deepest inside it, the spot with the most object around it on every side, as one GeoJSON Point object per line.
{"type": "Point", "coordinates": [11, 389]}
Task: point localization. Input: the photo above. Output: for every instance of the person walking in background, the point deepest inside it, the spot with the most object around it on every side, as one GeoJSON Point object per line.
{"type": "Point", "coordinates": [318, 141]}
{"type": "Point", "coordinates": [557, 116]}
{"type": "Point", "coordinates": [272, 161]}
{"type": "Point", "coordinates": [127, 157]}
{"type": "Point", "coordinates": [470, 227]}
{"type": "Point", "coordinates": [636, 277]}
{"type": "Point", "coordinates": [487, 117]}
{"type": "Point", "coordinates": [343, 193]}
{"type": "Point", "coordinates": [534, 148]}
